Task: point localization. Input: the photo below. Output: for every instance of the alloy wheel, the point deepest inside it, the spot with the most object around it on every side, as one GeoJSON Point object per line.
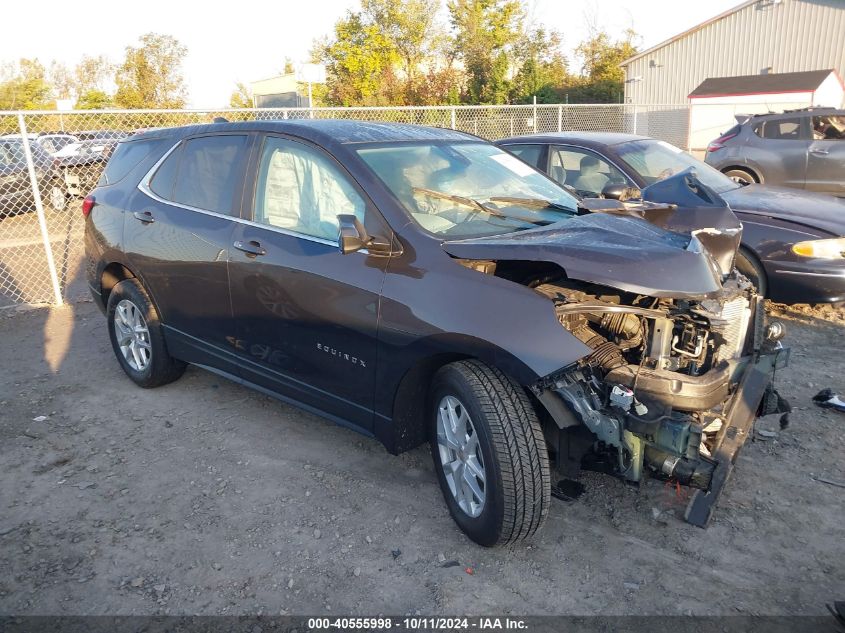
{"type": "Point", "coordinates": [460, 456]}
{"type": "Point", "coordinates": [133, 335]}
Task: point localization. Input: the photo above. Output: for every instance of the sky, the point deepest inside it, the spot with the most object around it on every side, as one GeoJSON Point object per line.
{"type": "Point", "coordinates": [226, 45]}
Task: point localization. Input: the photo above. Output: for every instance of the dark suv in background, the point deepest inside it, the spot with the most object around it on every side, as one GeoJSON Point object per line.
{"type": "Point", "coordinates": [804, 149]}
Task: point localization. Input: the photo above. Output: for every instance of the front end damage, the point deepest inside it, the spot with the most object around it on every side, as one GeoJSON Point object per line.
{"type": "Point", "coordinates": [681, 357]}
{"type": "Point", "coordinates": [671, 387]}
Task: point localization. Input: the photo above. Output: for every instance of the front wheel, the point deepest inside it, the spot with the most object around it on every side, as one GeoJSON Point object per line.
{"type": "Point", "coordinates": [489, 453]}
{"type": "Point", "coordinates": [137, 338]}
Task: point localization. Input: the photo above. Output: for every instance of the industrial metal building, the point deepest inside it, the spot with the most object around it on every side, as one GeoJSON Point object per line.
{"type": "Point", "coordinates": [756, 37]}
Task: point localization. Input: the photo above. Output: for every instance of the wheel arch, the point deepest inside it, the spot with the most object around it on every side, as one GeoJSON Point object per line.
{"type": "Point", "coordinates": [111, 275]}
{"type": "Point", "coordinates": [405, 428]}
{"type": "Point", "coordinates": [748, 169]}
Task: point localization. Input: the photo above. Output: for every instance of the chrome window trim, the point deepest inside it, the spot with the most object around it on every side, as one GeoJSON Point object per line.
{"type": "Point", "coordinates": [144, 187]}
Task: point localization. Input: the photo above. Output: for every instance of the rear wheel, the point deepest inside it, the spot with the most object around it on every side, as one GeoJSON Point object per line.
{"type": "Point", "coordinates": [741, 176]}
{"type": "Point", "coordinates": [57, 198]}
{"type": "Point", "coordinates": [137, 338]}
{"type": "Point", "coordinates": [489, 453]}
{"type": "Point", "coordinates": [748, 265]}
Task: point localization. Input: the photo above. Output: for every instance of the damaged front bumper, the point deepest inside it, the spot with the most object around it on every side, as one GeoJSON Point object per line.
{"type": "Point", "coordinates": [672, 445]}
{"type": "Point", "coordinates": [743, 408]}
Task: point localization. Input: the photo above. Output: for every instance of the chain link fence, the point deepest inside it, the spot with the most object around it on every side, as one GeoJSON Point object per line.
{"type": "Point", "coordinates": [50, 160]}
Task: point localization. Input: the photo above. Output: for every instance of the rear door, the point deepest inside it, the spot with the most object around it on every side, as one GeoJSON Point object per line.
{"type": "Point", "coordinates": [306, 314]}
{"type": "Point", "coordinates": [178, 230]}
{"type": "Point", "coordinates": [826, 156]}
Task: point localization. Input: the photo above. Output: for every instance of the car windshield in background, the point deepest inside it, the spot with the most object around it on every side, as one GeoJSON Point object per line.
{"type": "Point", "coordinates": [468, 189]}
{"type": "Point", "coordinates": [656, 160]}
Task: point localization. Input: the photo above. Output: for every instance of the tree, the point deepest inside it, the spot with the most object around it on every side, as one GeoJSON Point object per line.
{"type": "Point", "coordinates": [601, 56]}
{"type": "Point", "coordinates": [289, 68]}
{"type": "Point", "coordinates": [93, 100]}
{"type": "Point", "coordinates": [359, 63]}
{"type": "Point", "coordinates": [61, 80]}
{"type": "Point", "coordinates": [241, 97]}
{"type": "Point", "coordinates": [543, 67]}
{"type": "Point", "coordinates": [484, 34]}
{"type": "Point", "coordinates": [93, 74]}
{"type": "Point", "coordinates": [411, 28]}
{"type": "Point", "coordinates": [26, 87]}
{"type": "Point", "coordinates": [151, 74]}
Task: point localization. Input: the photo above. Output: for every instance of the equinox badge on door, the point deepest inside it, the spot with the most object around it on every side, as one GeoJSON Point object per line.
{"type": "Point", "coordinates": [331, 350]}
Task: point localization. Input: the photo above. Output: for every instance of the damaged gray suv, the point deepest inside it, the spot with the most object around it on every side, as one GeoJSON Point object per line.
{"type": "Point", "coordinates": [422, 285]}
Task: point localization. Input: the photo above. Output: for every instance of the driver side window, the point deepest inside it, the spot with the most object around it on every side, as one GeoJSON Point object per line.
{"type": "Point", "coordinates": [301, 190]}
{"type": "Point", "coordinates": [584, 171]}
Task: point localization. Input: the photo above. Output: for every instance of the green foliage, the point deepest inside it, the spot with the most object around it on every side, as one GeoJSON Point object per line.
{"type": "Point", "coordinates": [410, 28]}
{"type": "Point", "coordinates": [241, 97]}
{"type": "Point", "coordinates": [543, 68]}
{"type": "Point", "coordinates": [151, 74]}
{"type": "Point", "coordinates": [602, 56]}
{"type": "Point", "coordinates": [27, 89]}
{"type": "Point", "coordinates": [359, 63]}
{"type": "Point", "coordinates": [93, 100]}
{"type": "Point", "coordinates": [485, 32]}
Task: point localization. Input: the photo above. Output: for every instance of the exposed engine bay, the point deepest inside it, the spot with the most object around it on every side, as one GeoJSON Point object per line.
{"type": "Point", "coordinates": [654, 393]}
{"type": "Point", "coordinates": [654, 388]}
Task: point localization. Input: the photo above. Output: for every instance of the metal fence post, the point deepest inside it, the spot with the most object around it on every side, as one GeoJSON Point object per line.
{"type": "Point", "coordinates": [39, 210]}
{"type": "Point", "coordinates": [560, 118]}
{"type": "Point", "coordinates": [535, 114]}
{"type": "Point", "coordinates": [453, 117]}
{"type": "Point", "coordinates": [634, 130]}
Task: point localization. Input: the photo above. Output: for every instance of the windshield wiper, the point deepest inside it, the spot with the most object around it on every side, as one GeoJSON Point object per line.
{"type": "Point", "coordinates": [480, 206]}
{"type": "Point", "coordinates": [537, 203]}
{"type": "Point", "coordinates": [469, 202]}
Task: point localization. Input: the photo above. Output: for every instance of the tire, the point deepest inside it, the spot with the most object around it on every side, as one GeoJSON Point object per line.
{"type": "Point", "coordinates": [132, 317]}
{"type": "Point", "coordinates": [748, 265]}
{"type": "Point", "coordinates": [57, 198]}
{"type": "Point", "coordinates": [509, 447]}
{"type": "Point", "coordinates": [741, 176]}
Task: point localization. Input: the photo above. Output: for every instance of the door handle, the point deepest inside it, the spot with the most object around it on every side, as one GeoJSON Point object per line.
{"type": "Point", "coordinates": [251, 248]}
{"type": "Point", "coordinates": [820, 152]}
{"type": "Point", "coordinates": [144, 216]}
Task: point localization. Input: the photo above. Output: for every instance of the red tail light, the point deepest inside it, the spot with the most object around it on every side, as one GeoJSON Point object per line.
{"type": "Point", "coordinates": [87, 205]}
{"type": "Point", "coordinates": [719, 143]}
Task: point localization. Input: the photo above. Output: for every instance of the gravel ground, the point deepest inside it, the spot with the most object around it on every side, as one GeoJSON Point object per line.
{"type": "Point", "coordinates": [203, 497]}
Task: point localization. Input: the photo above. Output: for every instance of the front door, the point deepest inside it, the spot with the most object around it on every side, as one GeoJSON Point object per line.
{"type": "Point", "coordinates": [306, 314]}
{"type": "Point", "coordinates": [826, 156]}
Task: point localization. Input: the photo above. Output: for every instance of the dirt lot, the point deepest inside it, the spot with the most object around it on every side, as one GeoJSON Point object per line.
{"type": "Point", "coordinates": [204, 497]}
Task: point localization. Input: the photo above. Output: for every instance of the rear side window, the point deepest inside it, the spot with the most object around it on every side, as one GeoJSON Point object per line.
{"type": "Point", "coordinates": [781, 129]}
{"type": "Point", "coordinates": [125, 157]}
{"type": "Point", "coordinates": [529, 153]}
{"type": "Point", "coordinates": [202, 173]}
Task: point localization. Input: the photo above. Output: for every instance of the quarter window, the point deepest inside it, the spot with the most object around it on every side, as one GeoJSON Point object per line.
{"type": "Point", "coordinates": [203, 173]}
{"type": "Point", "coordinates": [300, 189]}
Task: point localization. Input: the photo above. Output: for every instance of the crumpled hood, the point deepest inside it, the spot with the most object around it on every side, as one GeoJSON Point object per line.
{"type": "Point", "coordinates": [622, 252]}
{"type": "Point", "coordinates": [815, 210]}
{"type": "Point", "coordinates": [699, 211]}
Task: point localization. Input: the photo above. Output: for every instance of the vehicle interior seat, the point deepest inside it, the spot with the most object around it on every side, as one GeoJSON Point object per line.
{"type": "Point", "coordinates": [590, 178]}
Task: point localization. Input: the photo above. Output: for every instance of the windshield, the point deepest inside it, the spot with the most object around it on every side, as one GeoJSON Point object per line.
{"type": "Point", "coordinates": [468, 189]}
{"type": "Point", "coordinates": [656, 160]}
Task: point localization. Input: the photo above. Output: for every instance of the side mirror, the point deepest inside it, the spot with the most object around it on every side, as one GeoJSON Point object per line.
{"type": "Point", "coordinates": [621, 192]}
{"type": "Point", "coordinates": [352, 237]}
